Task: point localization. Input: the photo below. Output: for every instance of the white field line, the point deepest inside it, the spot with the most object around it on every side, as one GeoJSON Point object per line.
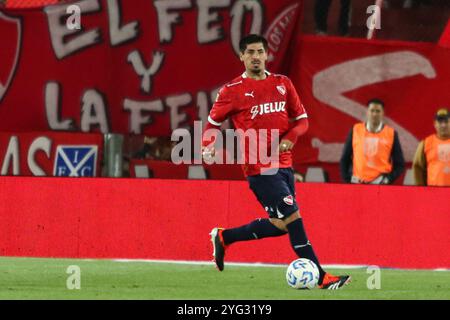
{"type": "Point", "coordinates": [259, 264]}
{"type": "Point", "coordinates": [238, 264]}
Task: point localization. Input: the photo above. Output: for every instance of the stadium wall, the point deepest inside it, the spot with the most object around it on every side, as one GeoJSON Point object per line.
{"type": "Point", "coordinates": [390, 226]}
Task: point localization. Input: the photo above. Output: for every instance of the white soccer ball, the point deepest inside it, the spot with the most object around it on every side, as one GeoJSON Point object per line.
{"type": "Point", "coordinates": [302, 274]}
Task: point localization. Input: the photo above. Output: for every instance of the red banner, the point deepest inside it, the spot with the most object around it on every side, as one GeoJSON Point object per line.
{"type": "Point", "coordinates": [336, 77]}
{"type": "Point", "coordinates": [51, 154]}
{"type": "Point", "coordinates": [402, 227]}
{"type": "Point", "coordinates": [133, 66]}
{"type": "Point", "coordinates": [150, 67]}
{"type": "Point", "coordinates": [445, 37]}
{"type": "Point", "coordinates": [27, 3]}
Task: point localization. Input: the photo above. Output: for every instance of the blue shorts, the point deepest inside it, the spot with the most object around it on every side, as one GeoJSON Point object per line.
{"type": "Point", "coordinates": [276, 193]}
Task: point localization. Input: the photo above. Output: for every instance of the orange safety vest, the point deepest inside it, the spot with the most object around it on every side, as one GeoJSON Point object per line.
{"type": "Point", "coordinates": [371, 152]}
{"type": "Point", "coordinates": [437, 153]}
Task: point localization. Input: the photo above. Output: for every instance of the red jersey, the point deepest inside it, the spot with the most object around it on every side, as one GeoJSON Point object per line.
{"type": "Point", "coordinates": [259, 104]}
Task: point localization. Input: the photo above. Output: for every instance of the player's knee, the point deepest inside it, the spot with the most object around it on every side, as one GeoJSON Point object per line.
{"type": "Point", "coordinates": [287, 209]}
{"type": "Point", "coordinates": [291, 218]}
{"type": "Point", "coordinates": [279, 224]}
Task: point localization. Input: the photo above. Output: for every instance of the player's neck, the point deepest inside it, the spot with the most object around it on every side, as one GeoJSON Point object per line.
{"type": "Point", "coordinates": [256, 76]}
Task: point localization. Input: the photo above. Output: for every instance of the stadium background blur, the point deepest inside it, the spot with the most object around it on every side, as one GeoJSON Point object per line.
{"type": "Point", "coordinates": [87, 113]}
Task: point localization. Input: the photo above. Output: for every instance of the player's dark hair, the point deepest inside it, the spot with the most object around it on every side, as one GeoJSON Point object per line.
{"type": "Point", "coordinates": [252, 38]}
{"type": "Point", "coordinates": [376, 101]}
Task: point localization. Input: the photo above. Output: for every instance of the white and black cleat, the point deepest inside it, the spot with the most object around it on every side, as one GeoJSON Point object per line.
{"type": "Point", "coordinates": [335, 282]}
{"type": "Point", "coordinates": [219, 247]}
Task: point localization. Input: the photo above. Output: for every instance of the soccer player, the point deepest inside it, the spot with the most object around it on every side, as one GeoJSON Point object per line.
{"type": "Point", "coordinates": [258, 100]}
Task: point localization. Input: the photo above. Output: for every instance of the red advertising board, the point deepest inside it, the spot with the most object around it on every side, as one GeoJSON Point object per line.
{"type": "Point", "coordinates": [141, 168]}
{"type": "Point", "coordinates": [388, 226]}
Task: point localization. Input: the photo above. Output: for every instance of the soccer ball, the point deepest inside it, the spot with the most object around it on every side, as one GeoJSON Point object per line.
{"type": "Point", "coordinates": [302, 274]}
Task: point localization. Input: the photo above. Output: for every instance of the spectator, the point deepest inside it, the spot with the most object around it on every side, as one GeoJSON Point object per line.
{"type": "Point", "coordinates": [372, 151]}
{"type": "Point", "coordinates": [432, 160]}
{"type": "Point", "coordinates": [321, 10]}
{"type": "Point", "coordinates": [155, 148]}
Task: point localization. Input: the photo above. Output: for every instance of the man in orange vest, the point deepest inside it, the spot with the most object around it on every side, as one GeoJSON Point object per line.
{"type": "Point", "coordinates": [432, 160]}
{"type": "Point", "coordinates": [372, 151]}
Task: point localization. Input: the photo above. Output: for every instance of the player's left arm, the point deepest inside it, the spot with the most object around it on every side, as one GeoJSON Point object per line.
{"type": "Point", "coordinates": [299, 117]}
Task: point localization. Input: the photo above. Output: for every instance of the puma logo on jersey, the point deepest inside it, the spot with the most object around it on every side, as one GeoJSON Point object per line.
{"type": "Point", "coordinates": [249, 94]}
{"type": "Point", "coordinates": [266, 108]}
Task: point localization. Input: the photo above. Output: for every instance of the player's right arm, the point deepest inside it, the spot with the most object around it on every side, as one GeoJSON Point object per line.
{"type": "Point", "coordinates": [220, 111]}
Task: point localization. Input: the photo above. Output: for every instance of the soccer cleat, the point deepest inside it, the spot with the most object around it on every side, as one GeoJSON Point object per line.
{"type": "Point", "coordinates": [334, 282]}
{"type": "Point", "coordinates": [219, 247]}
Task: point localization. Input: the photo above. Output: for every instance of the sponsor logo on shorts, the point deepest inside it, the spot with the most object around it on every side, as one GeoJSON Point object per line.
{"type": "Point", "coordinates": [289, 200]}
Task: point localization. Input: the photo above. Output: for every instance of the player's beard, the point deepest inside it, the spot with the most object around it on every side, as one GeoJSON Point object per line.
{"type": "Point", "coordinates": [256, 70]}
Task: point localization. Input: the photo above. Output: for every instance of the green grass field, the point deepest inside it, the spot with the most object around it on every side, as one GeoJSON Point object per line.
{"type": "Point", "coordinates": [24, 278]}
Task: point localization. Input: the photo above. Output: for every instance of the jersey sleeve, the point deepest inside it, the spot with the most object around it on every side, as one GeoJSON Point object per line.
{"type": "Point", "coordinates": [295, 109]}
{"type": "Point", "coordinates": [222, 108]}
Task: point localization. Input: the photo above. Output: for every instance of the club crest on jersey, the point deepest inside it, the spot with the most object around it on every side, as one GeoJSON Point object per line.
{"type": "Point", "coordinates": [289, 200]}
{"type": "Point", "coordinates": [266, 108]}
{"type": "Point", "coordinates": [281, 89]}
